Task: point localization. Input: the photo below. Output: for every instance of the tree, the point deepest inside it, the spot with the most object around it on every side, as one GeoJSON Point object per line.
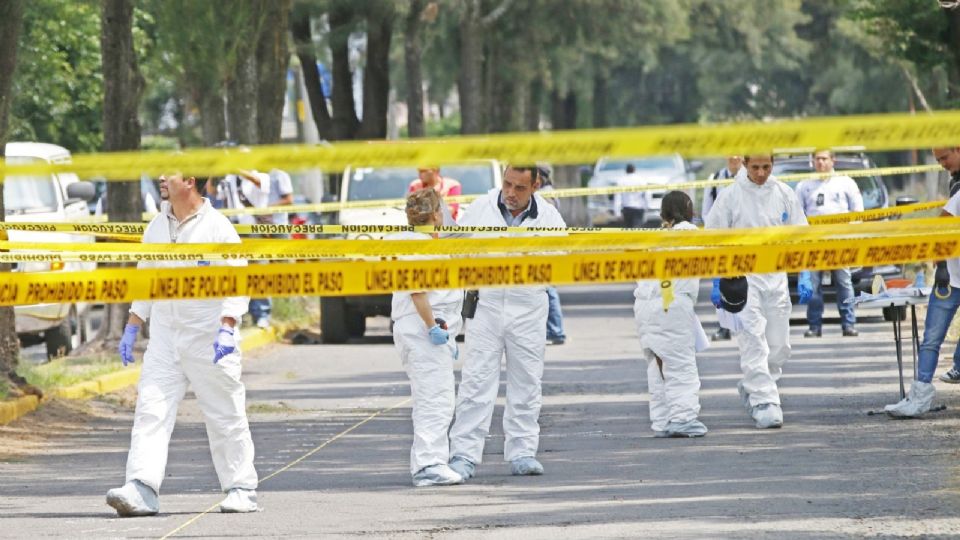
{"type": "Point", "coordinates": [11, 18]}
{"type": "Point", "coordinates": [242, 25]}
{"type": "Point", "coordinates": [376, 73]}
{"type": "Point", "coordinates": [412, 51]}
{"type": "Point", "coordinates": [58, 82]}
{"type": "Point", "coordinates": [473, 25]}
{"type": "Point", "coordinates": [300, 27]}
{"type": "Point", "coordinates": [273, 57]}
{"type": "Point", "coordinates": [123, 86]}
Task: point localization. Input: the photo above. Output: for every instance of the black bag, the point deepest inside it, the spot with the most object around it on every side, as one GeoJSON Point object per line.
{"type": "Point", "coordinates": [733, 294]}
{"type": "Point", "coordinates": [470, 300]}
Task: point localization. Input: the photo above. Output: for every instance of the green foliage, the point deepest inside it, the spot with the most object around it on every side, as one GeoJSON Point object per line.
{"type": "Point", "coordinates": [58, 88]}
{"type": "Point", "coordinates": [67, 371]}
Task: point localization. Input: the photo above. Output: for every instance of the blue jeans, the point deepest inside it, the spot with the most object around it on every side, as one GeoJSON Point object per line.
{"type": "Point", "coordinates": [940, 313]}
{"type": "Point", "coordinates": [844, 286]}
{"type": "Point", "coordinates": [260, 308]}
{"type": "Point", "coordinates": [554, 315]}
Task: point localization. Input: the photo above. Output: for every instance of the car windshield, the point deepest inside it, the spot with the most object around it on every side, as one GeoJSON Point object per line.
{"type": "Point", "coordinates": [369, 184]}
{"type": "Point", "coordinates": [641, 164]}
{"type": "Point", "coordinates": [28, 193]}
{"type": "Point", "coordinates": [869, 185]}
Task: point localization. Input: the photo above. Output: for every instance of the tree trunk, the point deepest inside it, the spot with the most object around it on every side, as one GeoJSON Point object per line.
{"type": "Point", "coordinates": [953, 26]}
{"type": "Point", "coordinates": [531, 113]}
{"type": "Point", "coordinates": [345, 123]}
{"type": "Point", "coordinates": [242, 96]}
{"type": "Point", "coordinates": [213, 125]}
{"type": "Point", "coordinates": [412, 56]}
{"type": "Point", "coordinates": [469, 85]}
{"type": "Point", "coordinates": [122, 88]}
{"type": "Point", "coordinates": [303, 40]}
{"type": "Point", "coordinates": [599, 101]}
{"type": "Point", "coordinates": [273, 57]}
{"type": "Point", "coordinates": [376, 76]}
{"type": "Point", "coordinates": [11, 18]}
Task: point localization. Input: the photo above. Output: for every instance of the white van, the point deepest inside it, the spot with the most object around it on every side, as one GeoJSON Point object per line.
{"type": "Point", "coordinates": [344, 317]}
{"type": "Point", "coordinates": [52, 198]}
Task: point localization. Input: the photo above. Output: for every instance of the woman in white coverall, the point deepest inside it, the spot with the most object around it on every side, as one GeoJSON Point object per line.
{"type": "Point", "coordinates": [511, 322]}
{"type": "Point", "coordinates": [669, 331]}
{"type": "Point", "coordinates": [758, 199]}
{"type": "Point", "coordinates": [193, 342]}
{"type": "Point", "coordinates": [426, 324]}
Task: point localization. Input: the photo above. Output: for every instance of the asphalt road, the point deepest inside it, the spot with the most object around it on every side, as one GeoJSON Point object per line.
{"type": "Point", "coordinates": [332, 430]}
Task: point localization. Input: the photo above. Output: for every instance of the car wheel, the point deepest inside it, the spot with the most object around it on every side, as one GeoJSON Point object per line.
{"type": "Point", "coordinates": [333, 320]}
{"type": "Point", "coordinates": [59, 339]}
{"type": "Point", "coordinates": [356, 323]}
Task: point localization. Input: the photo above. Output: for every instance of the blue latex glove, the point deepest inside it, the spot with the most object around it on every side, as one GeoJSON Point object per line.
{"type": "Point", "coordinates": [225, 343]}
{"type": "Point", "coordinates": [438, 336]}
{"type": "Point", "coordinates": [126, 343]}
{"type": "Point", "coordinates": [715, 293]}
{"type": "Point", "coordinates": [804, 287]}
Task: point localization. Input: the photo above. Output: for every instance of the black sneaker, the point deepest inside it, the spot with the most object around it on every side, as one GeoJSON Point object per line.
{"type": "Point", "coordinates": [723, 334]}
{"type": "Point", "coordinates": [814, 332]}
{"type": "Point", "coordinates": [952, 376]}
{"type": "Point", "coordinates": [850, 332]}
{"type": "Point", "coordinates": [556, 340]}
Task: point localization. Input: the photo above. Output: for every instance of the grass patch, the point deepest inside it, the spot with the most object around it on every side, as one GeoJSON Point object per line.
{"type": "Point", "coordinates": [296, 310]}
{"type": "Point", "coordinates": [269, 408]}
{"type": "Point", "coordinates": [66, 371]}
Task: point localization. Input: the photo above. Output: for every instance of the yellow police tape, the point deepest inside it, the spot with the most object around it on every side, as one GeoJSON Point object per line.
{"type": "Point", "coordinates": [263, 249]}
{"type": "Point", "coordinates": [876, 132]}
{"type": "Point", "coordinates": [130, 231]}
{"type": "Point", "coordinates": [381, 277]}
{"type": "Point", "coordinates": [569, 192]}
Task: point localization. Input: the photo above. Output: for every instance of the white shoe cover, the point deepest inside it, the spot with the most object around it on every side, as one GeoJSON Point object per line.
{"type": "Point", "coordinates": [917, 402]}
{"type": "Point", "coordinates": [767, 416]}
{"type": "Point", "coordinates": [744, 395]}
{"type": "Point", "coordinates": [691, 428]}
{"type": "Point", "coordinates": [526, 466]}
{"type": "Point", "coordinates": [437, 475]}
{"type": "Point", "coordinates": [239, 500]}
{"type": "Point", "coordinates": [134, 499]}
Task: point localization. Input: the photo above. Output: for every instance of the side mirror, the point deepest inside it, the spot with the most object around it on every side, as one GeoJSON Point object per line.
{"type": "Point", "coordinates": [694, 166]}
{"type": "Point", "coordinates": [82, 190]}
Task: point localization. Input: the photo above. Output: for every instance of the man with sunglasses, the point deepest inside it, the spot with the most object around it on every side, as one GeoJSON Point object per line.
{"type": "Point", "coordinates": [508, 321]}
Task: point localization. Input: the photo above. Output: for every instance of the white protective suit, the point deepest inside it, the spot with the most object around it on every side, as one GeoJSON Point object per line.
{"type": "Point", "coordinates": [511, 321]}
{"type": "Point", "coordinates": [429, 368]}
{"type": "Point", "coordinates": [180, 352]}
{"type": "Point", "coordinates": [670, 335]}
{"type": "Point", "coordinates": [764, 341]}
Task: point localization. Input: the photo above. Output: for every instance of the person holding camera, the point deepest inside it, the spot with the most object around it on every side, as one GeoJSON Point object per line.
{"type": "Point", "coordinates": [511, 322]}
{"type": "Point", "coordinates": [425, 326]}
{"type": "Point", "coordinates": [670, 333]}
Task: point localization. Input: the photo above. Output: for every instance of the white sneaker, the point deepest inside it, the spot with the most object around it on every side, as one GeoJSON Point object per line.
{"type": "Point", "coordinates": [437, 475]}
{"type": "Point", "coordinates": [917, 402]}
{"type": "Point", "coordinates": [240, 500]}
{"type": "Point", "coordinates": [263, 322]}
{"type": "Point", "coordinates": [134, 499]}
{"type": "Point", "coordinates": [767, 416]}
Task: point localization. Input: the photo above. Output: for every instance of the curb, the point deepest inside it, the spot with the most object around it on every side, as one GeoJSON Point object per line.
{"type": "Point", "coordinates": [111, 382]}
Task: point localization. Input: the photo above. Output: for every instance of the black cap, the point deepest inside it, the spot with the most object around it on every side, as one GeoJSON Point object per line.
{"type": "Point", "coordinates": [733, 294]}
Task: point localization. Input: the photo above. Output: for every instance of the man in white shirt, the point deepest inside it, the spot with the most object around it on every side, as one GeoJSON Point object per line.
{"type": "Point", "coordinates": [710, 194]}
{"type": "Point", "coordinates": [251, 189]}
{"type": "Point", "coordinates": [281, 194]}
{"type": "Point", "coordinates": [943, 305]}
{"type": "Point", "coordinates": [634, 203]}
{"type": "Point", "coordinates": [837, 194]}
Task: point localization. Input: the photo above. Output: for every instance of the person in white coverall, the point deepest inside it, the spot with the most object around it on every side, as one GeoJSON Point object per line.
{"type": "Point", "coordinates": [509, 321]}
{"type": "Point", "coordinates": [758, 199]}
{"type": "Point", "coordinates": [195, 343]}
{"type": "Point", "coordinates": [669, 332]}
{"type": "Point", "coordinates": [425, 326]}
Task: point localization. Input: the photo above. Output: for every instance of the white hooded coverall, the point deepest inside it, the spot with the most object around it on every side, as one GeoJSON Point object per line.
{"type": "Point", "coordinates": [180, 352]}
{"type": "Point", "coordinates": [669, 335]}
{"type": "Point", "coordinates": [429, 368]}
{"type": "Point", "coordinates": [511, 321]}
{"type": "Point", "coordinates": [764, 341]}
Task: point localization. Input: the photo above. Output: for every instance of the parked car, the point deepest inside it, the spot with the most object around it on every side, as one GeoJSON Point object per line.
{"type": "Point", "coordinates": [874, 193]}
{"type": "Point", "coordinates": [52, 198]}
{"type": "Point", "coordinates": [606, 210]}
{"type": "Point", "coordinates": [344, 317]}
